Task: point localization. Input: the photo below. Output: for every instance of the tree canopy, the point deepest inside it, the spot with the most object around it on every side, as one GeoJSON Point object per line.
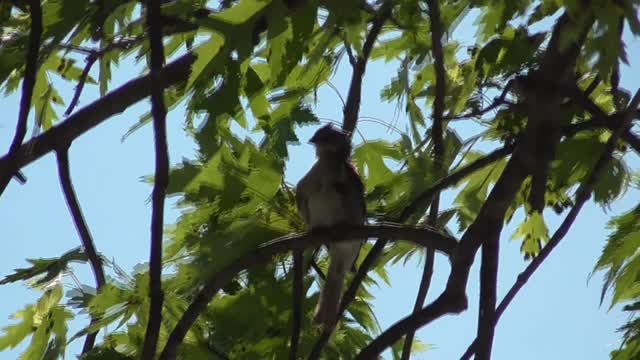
{"type": "Point", "coordinates": [234, 277]}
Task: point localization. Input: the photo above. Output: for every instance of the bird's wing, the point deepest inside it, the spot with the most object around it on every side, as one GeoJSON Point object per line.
{"type": "Point", "coordinates": [302, 199]}
{"type": "Point", "coordinates": [357, 194]}
{"type": "Point", "coordinates": [357, 197]}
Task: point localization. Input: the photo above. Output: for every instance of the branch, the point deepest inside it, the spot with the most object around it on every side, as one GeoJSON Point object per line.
{"type": "Point", "coordinates": [58, 137]}
{"type": "Point", "coordinates": [423, 290]}
{"type": "Point", "coordinates": [441, 306]}
{"type": "Point", "coordinates": [352, 108]}
{"type": "Point", "coordinates": [91, 59]}
{"type": "Point", "coordinates": [419, 236]}
{"type": "Point", "coordinates": [29, 82]}
{"type": "Point", "coordinates": [582, 196]}
{"type": "Point", "coordinates": [438, 155]}
{"type": "Point", "coordinates": [161, 179]}
{"type": "Point", "coordinates": [297, 303]}
{"type": "Point", "coordinates": [600, 118]}
{"type": "Point", "coordinates": [83, 231]}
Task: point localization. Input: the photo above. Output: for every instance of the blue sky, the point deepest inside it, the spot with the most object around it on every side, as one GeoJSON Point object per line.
{"type": "Point", "coordinates": [557, 315]}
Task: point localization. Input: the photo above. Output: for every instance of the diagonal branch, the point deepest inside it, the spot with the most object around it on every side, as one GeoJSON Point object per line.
{"type": "Point", "coordinates": [29, 82]}
{"type": "Point", "coordinates": [59, 136]}
{"type": "Point", "coordinates": [83, 231]}
{"type": "Point", "coordinates": [438, 155]}
{"type": "Point", "coordinates": [352, 108]}
{"type": "Point", "coordinates": [161, 179]}
{"type": "Point", "coordinates": [419, 236]}
{"type": "Point", "coordinates": [582, 196]}
{"type": "Point", "coordinates": [90, 60]}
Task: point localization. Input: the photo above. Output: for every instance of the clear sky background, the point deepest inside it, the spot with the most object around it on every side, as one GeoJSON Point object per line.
{"type": "Point", "coordinates": [556, 316]}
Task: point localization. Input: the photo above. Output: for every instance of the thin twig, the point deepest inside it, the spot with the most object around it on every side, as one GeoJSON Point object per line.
{"type": "Point", "coordinates": [438, 156]}
{"type": "Point", "coordinates": [500, 100]}
{"type": "Point", "coordinates": [83, 231]}
{"type": "Point", "coordinates": [582, 196]}
{"type": "Point", "coordinates": [29, 82]}
{"type": "Point", "coordinates": [419, 236]}
{"type": "Point", "coordinates": [161, 179]}
{"type": "Point", "coordinates": [297, 304]}
{"type": "Point", "coordinates": [91, 59]}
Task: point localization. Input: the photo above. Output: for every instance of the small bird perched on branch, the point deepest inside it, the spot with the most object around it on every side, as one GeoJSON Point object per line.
{"type": "Point", "coordinates": [332, 193]}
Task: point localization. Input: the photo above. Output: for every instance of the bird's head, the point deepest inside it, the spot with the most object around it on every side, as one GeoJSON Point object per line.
{"type": "Point", "coordinates": [331, 142]}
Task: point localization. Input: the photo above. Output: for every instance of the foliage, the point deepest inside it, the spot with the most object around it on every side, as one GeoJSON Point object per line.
{"type": "Point", "coordinates": [259, 66]}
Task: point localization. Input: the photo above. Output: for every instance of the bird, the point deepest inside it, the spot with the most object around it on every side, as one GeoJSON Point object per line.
{"type": "Point", "coordinates": [332, 193]}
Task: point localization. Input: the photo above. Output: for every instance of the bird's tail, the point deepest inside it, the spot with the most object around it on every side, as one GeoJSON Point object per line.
{"type": "Point", "coordinates": [326, 312]}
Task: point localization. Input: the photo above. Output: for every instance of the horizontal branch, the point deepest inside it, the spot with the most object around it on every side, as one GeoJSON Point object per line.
{"type": "Point", "coordinates": [419, 236]}
{"type": "Point", "coordinates": [117, 101]}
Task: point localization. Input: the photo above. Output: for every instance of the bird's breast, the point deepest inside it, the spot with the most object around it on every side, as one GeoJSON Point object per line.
{"type": "Point", "coordinates": [326, 207]}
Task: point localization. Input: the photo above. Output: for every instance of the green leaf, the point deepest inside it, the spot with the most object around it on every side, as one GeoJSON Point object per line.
{"type": "Point", "coordinates": [471, 198]}
{"type": "Point", "coordinates": [612, 183]}
{"type": "Point", "coordinates": [210, 58]}
{"type": "Point", "coordinates": [533, 233]}
{"type": "Point", "coordinates": [46, 270]}
{"type": "Point", "coordinates": [370, 161]}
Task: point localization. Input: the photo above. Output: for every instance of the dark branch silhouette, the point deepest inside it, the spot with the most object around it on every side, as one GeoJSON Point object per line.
{"type": "Point", "coordinates": [419, 236]}
{"type": "Point", "coordinates": [83, 231]}
{"type": "Point", "coordinates": [11, 167]}
{"type": "Point", "coordinates": [161, 179]}
{"type": "Point", "coordinates": [582, 196]}
{"type": "Point", "coordinates": [117, 101]}
{"type": "Point", "coordinates": [557, 64]}
{"type": "Point", "coordinates": [438, 155]}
